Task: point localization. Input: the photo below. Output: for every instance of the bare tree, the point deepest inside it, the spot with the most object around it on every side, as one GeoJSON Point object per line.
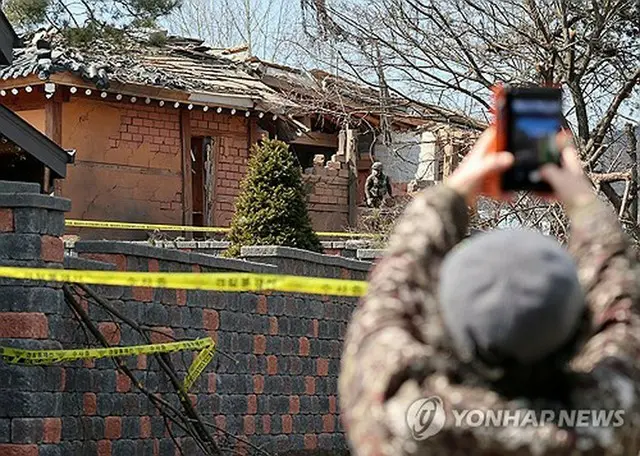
{"type": "Point", "coordinates": [266, 27]}
{"type": "Point", "coordinates": [451, 53]}
{"type": "Point", "coordinates": [85, 14]}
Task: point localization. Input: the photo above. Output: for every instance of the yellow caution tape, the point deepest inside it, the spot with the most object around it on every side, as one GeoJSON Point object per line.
{"type": "Point", "coordinates": [198, 365]}
{"type": "Point", "coordinates": [49, 357]}
{"type": "Point", "coordinates": [200, 229]}
{"type": "Point", "coordinates": [213, 281]}
{"type": "Point", "coordinates": [141, 226]}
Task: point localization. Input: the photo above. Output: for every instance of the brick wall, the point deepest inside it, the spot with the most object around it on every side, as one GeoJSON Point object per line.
{"type": "Point", "coordinates": [328, 187]}
{"type": "Point", "coordinates": [279, 391]}
{"type": "Point", "coordinates": [128, 163]}
{"type": "Point", "coordinates": [327, 184]}
{"type": "Point", "coordinates": [31, 316]}
{"type": "Point", "coordinates": [231, 149]}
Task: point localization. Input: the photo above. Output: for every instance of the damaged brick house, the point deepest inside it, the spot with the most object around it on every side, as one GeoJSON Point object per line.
{"type": "Point", "coordinates": [25, 153]}
{"type": "Point", "coordinates": [418, 143]}
{"type": "Point", "coordinates": [163, 126]}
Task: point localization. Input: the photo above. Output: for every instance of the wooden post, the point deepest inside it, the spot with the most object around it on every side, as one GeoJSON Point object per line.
{"type": "Point", "coordinates": [351, 150]}
{"type": "Point", "coordinates": [450, 159]}
{"type": "Point", "coordinates": [255, 133]}
{"type": "Point", "coordinates": [53, 129]}
{"type": "Point", "coordinates": [209, 161]}
{"type": "Point", "coordinates": [185, 137]}
{"type": "Point", "coordinates": [632, 151]}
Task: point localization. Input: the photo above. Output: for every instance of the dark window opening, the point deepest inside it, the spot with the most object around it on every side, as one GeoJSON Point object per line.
{"type": "Point", "coordinates": [305, 154]}
{"type": "Point", "coordinates": [202, 180]}
{"type": "Point", "coordinates": [19, 166]}
{"type": "Point", "coordinates": [365, 141]}
{"type": "Point", "coordinates": [324, 124]}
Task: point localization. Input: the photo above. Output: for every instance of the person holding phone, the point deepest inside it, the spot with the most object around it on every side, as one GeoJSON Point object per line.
{"type": "Point", "coordinates": [510, 321]}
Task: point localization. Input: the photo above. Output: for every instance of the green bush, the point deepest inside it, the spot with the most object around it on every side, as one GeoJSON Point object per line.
{"type": "Point", "coordinates": [272, 206]}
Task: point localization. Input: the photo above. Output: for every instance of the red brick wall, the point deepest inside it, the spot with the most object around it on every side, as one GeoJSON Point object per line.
{"type": "Point", "coordinates": [231, 149]}
{"type": "Point", "coordinates": [328, 201]}
{"type": "Point", "coordinates": [328, 185]}
{"type": "Point", "coordinates": [129, 165]}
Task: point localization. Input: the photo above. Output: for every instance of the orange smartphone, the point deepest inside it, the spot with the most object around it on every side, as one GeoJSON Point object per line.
{"type": "Point", "coordinates": [527, 122]}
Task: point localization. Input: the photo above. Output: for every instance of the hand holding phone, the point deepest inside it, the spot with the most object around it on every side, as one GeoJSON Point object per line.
{"type": "Point", "coordinates": [528, 121]}
{"type": "Point", "coordinates": [570, 185]}
{"type": "Point", "coordinates": [478, 165]}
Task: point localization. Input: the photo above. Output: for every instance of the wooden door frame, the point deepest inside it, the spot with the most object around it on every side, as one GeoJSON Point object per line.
{"type": "Point", "coordinates": [187, 196]}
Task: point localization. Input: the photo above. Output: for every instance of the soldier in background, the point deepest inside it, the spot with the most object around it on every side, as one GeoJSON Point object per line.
{"type": "Point", "coordinates": [509, 321]}
{"type": "Point", "coordinates": [377, 186]}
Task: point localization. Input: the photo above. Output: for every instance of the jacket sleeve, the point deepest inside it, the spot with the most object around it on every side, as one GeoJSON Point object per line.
{"type": "Point", "coordinates": [607, 270]}
{"type": "Point", "coordinates": [385, 339]}
{"type": "Point", "coordinates": [605, 262]}
{"type": "Point", "coordinates": [367, 187]}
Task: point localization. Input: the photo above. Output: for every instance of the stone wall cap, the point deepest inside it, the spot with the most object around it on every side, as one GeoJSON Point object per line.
{"type": "Point", "coordinates": [19, 187]}
{"type": "Point", "coordinates": [357, 244]}
{"type": "Point", "coordinates": [210, 244]}
{"type": "Point", "coordinates": [178, 256]}
{"type": "Point", "coordinates": [370, 254]}
{"type": "Point", "coordinates": [34, 200]}
{"type": "Point", "coordinates": [303, 255]}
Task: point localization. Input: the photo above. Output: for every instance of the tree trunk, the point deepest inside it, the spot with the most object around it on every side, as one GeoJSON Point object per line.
{"type": "Point", "coordinates": [632, 151]}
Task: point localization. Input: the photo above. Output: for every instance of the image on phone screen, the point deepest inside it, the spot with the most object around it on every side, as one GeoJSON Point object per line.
{"type": "Point", "coordinates": [535, 118]}
{"type": "Point", "coordinates": [534, 139]}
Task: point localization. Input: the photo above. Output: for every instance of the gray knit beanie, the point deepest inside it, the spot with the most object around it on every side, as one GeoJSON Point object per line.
{"type": "Point", "coordinates": [511, 294]}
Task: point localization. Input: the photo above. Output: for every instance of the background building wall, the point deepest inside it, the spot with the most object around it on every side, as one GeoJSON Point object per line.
{"type": "Point", "coordinates": [411, 156]}
{"type": "Point", "coordinates": [128, 164]}
{"type": "Point", "coordinates": [273, 380]}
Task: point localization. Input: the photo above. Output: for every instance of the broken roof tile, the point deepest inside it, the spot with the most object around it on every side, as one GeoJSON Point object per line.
{"type": "Point", "coordinates": [179, 63]}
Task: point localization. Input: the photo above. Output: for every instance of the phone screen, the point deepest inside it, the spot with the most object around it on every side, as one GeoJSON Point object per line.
{"type": "Point", "coordinates": [535, 118]}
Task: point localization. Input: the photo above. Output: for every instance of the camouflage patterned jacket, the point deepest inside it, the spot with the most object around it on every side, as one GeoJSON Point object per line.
{"type": "Point", "coordinates": [396, 338]}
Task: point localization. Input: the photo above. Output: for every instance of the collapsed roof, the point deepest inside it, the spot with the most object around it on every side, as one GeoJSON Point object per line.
{"type": "Point", "coordinates": [150, 57]}
{"type": "Point", "coordinates": [17, 137]}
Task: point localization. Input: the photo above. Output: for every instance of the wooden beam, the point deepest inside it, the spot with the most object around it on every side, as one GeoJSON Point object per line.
{"type": "Point", "coordinates": [351, 149]}
{"type": "Point", "coordinates": [46, 187]}
{"type": "Point", "coordinates": [53, 130]}
{"type": "Point", "coordinates": [53, 120]}
{"type": "Point", "coordinates": [185, 137]}
{"type": "Point", "coordinates": [318, 139]}
{"type": "Point", "coordinates": [255, 132]}
{"type": "Point", "coordinates": [31, 80]}
{"type": "Point", "coordinates": [140, 91]}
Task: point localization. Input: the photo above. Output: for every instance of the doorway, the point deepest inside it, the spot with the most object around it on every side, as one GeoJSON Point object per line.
{"type": "Point", "coordinates": [203, 180]}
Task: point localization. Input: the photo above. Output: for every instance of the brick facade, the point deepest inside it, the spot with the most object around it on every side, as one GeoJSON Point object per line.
{"type": "Point", "coordinates": [276, 386]}
{"type": "Point", "coordinates": [230, 135]}
{"type": "Point", "coordinates": [129, 162]}
{"type": "Point", "coordinates": [31, 398]}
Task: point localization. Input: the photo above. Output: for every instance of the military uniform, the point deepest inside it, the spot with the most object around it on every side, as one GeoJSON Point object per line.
{"type": "Point", "coordinates": [376, 187]}
{"type": "Point", "coordinates": [397, 350]}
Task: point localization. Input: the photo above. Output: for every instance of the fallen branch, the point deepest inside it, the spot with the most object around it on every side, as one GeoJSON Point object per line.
{"type": "Point", "coordinates": [165, 363]}
{"type": "Point", "coordinates": [157, 401]}
{"type": "Point", "coordinates": [598, 178]}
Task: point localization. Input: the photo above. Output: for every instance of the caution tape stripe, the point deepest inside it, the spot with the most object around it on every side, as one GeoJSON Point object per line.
{"type": "Point", "coordinates": [198, 366]}
{"type": "Point", "coordinates": [49, 357]}
{"type": "Point", "coordinates": [199, 229]}
{"type": "Point", "coordinates": [213, 281]}
{"type": "Point", "coordinates": [13, 355]}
